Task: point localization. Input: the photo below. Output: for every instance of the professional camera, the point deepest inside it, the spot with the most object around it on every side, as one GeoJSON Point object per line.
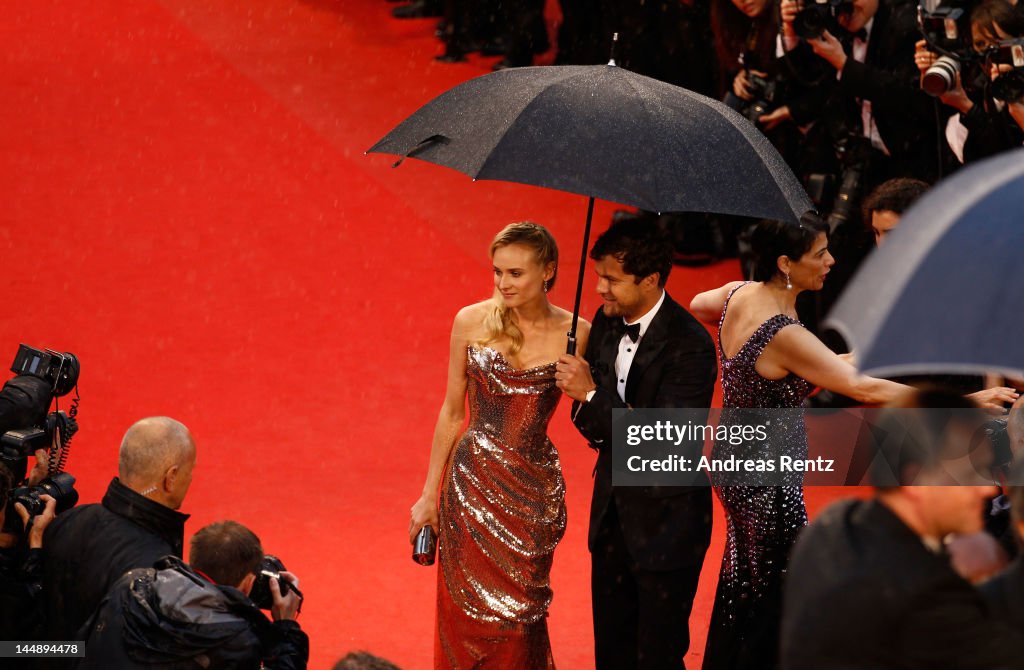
{"type": "Point", "coordinates": [25, 427]}
{"type": "Point", "coordinates": [763, 90]}
{"type": "Point", "coordinates": [821, 15]}
{"type": "Point", "coordinates": [272, 567]}
{"type": "Point", "coordinates": [1009, 86]}
{"type": "Point", "coordinates": [947, 31]}
{"type": "Point", "coordinates": [61, 487]}
{"type": "Point", "coordinates": [61, 370]}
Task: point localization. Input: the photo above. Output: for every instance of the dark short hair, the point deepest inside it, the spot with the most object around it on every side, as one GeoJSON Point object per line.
{"type": "Point", "coordinates": [226, 551]}
{"type": "Point", "coordinates": [895, 195]}
{"type": "Point", "coordinates": [363, 660]}
{"type": "Point", "coordinates": [640, 245]}
{"type": "Point", "coordinates": [914, 431]}
{"type": "Point", "coordinates": [990, 13]}
{"type": "Point", "coordinates": [771, 239]}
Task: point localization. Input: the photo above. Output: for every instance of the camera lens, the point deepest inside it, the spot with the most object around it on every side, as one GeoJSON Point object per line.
{"type": "Point", "coordinates": [941, 76]}
{"type": "Point", "coordinates": [810, 23]}
{"type": "Point", "coordinates": [1009, 86]}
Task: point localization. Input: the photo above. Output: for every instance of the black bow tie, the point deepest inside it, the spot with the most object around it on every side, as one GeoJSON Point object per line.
{"type": "Point", "coordinates": [633, 331]}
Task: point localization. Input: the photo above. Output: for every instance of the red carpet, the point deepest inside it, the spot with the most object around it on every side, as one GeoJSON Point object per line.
{"type": "Point", "coordinates": [187, 207]}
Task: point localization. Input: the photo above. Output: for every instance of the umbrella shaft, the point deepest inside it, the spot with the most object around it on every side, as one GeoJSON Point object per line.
{"type": "Point", "coordinates": [570, 347]}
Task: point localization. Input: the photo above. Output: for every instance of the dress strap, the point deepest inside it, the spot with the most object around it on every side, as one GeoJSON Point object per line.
{"type": "Point", "coordinates": [721, 319]}
{"type": "Point", "coordinates": [766, 331]}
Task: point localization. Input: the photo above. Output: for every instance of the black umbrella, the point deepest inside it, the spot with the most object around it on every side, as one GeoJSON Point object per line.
{"type": "Point", "coordinates": [603, 132]}
{"type": "Point", "coordinates": [945, 293]}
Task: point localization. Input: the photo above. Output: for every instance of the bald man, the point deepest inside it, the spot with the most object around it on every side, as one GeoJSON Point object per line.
{"type": "Point", "coordinates": [89, 547]}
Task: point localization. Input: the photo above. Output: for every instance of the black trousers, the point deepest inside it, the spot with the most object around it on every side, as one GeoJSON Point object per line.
{"type": "Point", "coordinates": [641, 617]}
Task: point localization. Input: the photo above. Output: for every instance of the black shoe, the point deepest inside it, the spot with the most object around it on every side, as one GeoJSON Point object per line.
{"type": "Point", "coordinates": [419, 9]}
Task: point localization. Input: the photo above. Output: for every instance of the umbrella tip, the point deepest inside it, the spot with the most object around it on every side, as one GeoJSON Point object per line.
{"type": "Point", "coordinates": [615, 43]}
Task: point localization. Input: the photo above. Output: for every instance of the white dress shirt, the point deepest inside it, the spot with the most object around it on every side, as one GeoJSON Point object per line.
{"type": "Point", "coordinates": [627, 348]}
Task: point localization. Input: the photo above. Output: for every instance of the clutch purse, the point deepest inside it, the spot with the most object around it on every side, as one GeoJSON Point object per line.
{"type": "Point", "coordinates": [424, 548]}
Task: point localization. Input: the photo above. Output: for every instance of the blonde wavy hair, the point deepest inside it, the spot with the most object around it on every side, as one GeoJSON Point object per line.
{"type": "Point", "coordinates": [500, 322]}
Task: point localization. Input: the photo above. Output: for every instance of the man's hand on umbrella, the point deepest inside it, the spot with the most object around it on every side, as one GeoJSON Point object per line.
{"type": "Point", "coordinates": [572, 375]}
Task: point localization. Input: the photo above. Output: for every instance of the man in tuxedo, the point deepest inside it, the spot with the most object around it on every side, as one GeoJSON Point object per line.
{"type": "Point", "coordinates": [647, 544]}
{"type": "Point", "coordinates": [870, 583]}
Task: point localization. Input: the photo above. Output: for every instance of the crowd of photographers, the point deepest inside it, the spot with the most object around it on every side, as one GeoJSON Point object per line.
{"type": "Point", "coordinates": [852, 92]}
{"type": "Point", "coordinates": [110, 576]}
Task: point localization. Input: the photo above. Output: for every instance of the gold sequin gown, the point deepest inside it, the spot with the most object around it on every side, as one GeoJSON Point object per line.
{"type": "Point", "coordinates": [502, 512]}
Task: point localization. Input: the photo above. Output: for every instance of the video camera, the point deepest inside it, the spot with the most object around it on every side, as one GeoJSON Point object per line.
{"type": "Point", "coordinates": [1009, 86]}
{"type": "Point", "coordinates": [25, 426]}
{"type": "Point", "coordinates": [947, 30]}
{"type": "Point", "coordinates": [821, 15]}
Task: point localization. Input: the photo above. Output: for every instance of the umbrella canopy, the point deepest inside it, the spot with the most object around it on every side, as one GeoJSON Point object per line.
{"type": "Point", "coordinates": [604, 132]}
{"type": "Point", "coordinates": [945, 294]}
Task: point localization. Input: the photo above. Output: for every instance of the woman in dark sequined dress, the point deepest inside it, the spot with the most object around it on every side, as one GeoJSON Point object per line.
{"type": "Point", "coordinates": [501, 508]}
{"type": "Point", "coordinates": [769, 360]}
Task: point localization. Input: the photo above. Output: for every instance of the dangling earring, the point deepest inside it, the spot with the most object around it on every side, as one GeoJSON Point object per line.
{"type": "Point", "coordinates": [789, 284]}
{"type": "Point", "coordinates": [547, 285]}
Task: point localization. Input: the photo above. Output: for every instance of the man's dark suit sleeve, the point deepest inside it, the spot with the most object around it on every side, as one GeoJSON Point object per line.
{"type": "Point", "coordinates": [687, 380]}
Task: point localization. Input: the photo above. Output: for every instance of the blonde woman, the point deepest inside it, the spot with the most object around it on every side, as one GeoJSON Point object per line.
{"type": "Point", "coordinates": [500, 511]}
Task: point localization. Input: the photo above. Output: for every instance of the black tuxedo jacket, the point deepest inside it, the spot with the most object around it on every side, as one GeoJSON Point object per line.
{"type": "Point", "coordinates": [665, 528]}
{"type": "Point", "coordinates": [863, 592]}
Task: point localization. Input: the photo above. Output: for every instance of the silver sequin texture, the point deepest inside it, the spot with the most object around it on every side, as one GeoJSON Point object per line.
{"type": "Point", "coordinates": [502, 512]}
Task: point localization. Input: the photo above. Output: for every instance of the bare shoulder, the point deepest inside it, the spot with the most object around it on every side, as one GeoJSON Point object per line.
{"type": "Point", "coordinates": [794, 338]}
{"type": "Point", "coordinates": [473, 314]}
{"type": "Point", "coordinates": [469, 320]}
{"type": "Point", "coordinates": [564, 318]}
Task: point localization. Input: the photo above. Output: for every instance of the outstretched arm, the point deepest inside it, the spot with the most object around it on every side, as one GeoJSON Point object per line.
{"type": "Point", "coordinates": [795, 349]}
{"type": "Point", "coordinates": [449, 423]}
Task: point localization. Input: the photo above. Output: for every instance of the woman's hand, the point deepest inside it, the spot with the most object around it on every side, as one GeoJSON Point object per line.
{"type": "Point", "coordinates": [775, 117]}
{"type": "Point", "coordinates": [424, 513]}
{"type": "Point", "coordinates": [788, 11]}
{"type": "Point", "coordinates": [993, 398]}
{"type": "Point", "coordinates": [741, 84]}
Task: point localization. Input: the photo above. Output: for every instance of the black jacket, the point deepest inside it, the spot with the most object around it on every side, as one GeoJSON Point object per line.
{"type": "Point", "coordinates": [88, 548]}
{"type": "Point", "coordinates": [1005, 595]}
{"type": "Point", "coordinates": [864, 592]}
{"type": "Point", "coordinates": [168, 617]}
{"type": "Point", "coordinates": [665, 528]}
{"type": "Point", "coordinates": [21, 602]}
{"type": "Point", "coordinates": [905, 115]}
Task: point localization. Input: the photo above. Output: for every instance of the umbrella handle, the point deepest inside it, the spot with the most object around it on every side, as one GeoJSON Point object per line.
{"type": "Point", "coordinates": [570, 346]}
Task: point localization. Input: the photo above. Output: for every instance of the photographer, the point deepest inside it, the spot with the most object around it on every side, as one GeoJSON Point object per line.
{"type": "Point", "coordinates": [182, 616]}
{"type": "Point", "coordinates": [91, 546]}
{"type": "Point", "coordinates": [749, 73]}
{"type": "Point", "coordinates": [21, 566]}
{"type": "Point", "coordinates": [871, 120]}
{"type": "Point", "coordinates": [983, 125]}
